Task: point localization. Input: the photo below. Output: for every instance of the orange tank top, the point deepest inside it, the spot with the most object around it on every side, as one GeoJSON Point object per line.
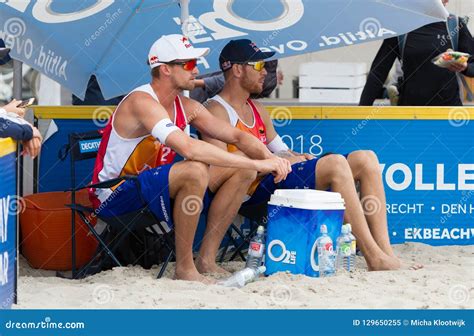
{"type": "Point", "coordinates": [257, 129]}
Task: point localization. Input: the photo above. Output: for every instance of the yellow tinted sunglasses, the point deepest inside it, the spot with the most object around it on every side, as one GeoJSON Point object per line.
{"type": "Point", "coordinates": [257, 65]}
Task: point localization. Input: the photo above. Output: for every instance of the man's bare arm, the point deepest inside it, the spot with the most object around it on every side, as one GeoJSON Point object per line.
{"type": "Point", "coordinates": [289, 154]}
{"type": "Point", "coordinates": [213, 125]}
{"type": "Point", "coordinates": [149, 113]}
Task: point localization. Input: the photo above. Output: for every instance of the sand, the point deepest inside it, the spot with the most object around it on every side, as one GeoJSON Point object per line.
{"type": "Point", "coordinates": [446, 281]}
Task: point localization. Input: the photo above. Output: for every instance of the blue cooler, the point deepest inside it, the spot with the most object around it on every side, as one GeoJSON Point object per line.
{"type": "Point", "coordinates": [294, 218]}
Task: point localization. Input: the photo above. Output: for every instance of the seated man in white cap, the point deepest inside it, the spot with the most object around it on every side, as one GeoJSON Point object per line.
{"type": "Point", "coordinates": [243, 65]}
{"type": "Point", "coordinates": [142, 138]}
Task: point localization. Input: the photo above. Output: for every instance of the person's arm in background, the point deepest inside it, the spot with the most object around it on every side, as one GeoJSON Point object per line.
{"type": "Point", "coordinates": [466, 44]}
{"type": "Point", "coordinates": [18, 129]}
{"type": "Point", "coordinates": [12, 109]}
{"type": "Point", "coordinates": [214, 84]}
{"type": "Point", "coordinates": [11, 123]}
{"type": "Point", "coordinates": [10, 128]}
{"type": "Point", "coordinates": [207, 87]}
{"type": "Point", "coordinates": [379, 71]}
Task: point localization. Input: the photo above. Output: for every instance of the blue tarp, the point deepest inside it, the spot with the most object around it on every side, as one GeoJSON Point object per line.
{"type": "Point", "coordinates": [71, 40]}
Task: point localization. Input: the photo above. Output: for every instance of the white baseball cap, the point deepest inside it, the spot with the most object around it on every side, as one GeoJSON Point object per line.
{"type": "Point", "coordinates": [173, 47]}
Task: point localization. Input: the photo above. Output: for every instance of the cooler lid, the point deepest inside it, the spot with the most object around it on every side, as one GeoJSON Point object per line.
{"type": "Point", "coordinates": [307, 199]}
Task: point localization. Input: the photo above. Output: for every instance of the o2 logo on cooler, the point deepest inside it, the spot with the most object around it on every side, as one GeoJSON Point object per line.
{"type": "Point", "coordinates": [286, 257]}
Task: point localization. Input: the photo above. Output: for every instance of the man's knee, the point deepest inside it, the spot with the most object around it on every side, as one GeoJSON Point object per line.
{"type": "Point", "coordinates": [364, 161]}
{"type": "Point", "coordinates": [197, 173]}
{"type": "Point", "coordinates": [246, 176]}
{"type": "Point", "coordinates": [335, 166]}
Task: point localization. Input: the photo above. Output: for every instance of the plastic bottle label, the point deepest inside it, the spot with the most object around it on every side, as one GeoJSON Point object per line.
{"type": "Point", "coordinates": [326, 258]}
{"type": "Point", "coordinates": [353, 247]}
{"type": "Point", "coordinates": [256, 249]}
{"type": "Point", "coordinates": [346, 250]}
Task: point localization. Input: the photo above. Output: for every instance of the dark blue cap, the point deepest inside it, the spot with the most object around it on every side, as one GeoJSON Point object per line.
{"type": "Point", "coordinates": [241, 51]}
{"type": "Point", "coordinates": [4, 57]}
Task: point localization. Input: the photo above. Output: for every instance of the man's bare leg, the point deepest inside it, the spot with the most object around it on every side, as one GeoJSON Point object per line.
{"type": "Point", "coordinates": [333, 171]}
{"type": "Point", "coordinates": [188, 181]}
{"type": "Point", "coordinates": [365, 168]}
{"type": "Point", "coordinates": [231, 185]}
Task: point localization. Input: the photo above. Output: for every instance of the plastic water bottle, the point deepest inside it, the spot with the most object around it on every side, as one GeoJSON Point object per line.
{"type": "Point", "coordinates": [325, 253]}
{"type": "Point", "coordinates": [353, 246]}
{"type": "Point", "coordinates": [344, 253]}
{"type": "Point", "coordinates": [241, 278]}
{"type": "Point", "coordinates": [256, 249]}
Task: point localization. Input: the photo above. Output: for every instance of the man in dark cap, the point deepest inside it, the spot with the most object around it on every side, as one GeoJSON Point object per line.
{"type": "Point", "coordinates": [243, 64]}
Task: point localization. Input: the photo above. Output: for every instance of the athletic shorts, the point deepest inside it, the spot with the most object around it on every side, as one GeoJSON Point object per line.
{"type": "Point", "coordinates": [302, 176]}
{"type": "Point", "coordinates": [154, 185]}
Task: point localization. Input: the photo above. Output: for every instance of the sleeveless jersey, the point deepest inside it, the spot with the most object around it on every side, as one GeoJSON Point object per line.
{"type": "Point", "coordinates": [258, 129]}
{"type": "Point", "coordinates": [118, 156]}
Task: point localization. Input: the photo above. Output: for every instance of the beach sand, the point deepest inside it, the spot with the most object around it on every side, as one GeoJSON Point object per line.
{"type": "Point", "coordinates": [446, 281]}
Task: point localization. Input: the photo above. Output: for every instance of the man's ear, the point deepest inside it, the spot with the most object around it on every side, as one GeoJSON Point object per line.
{"type": "Point", "coordinates": [165, 69]}
{"type": "Point", "coordinates": [237, 70]}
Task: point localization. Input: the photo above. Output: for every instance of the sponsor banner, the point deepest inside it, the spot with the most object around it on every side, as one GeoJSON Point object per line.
{"type": "Point", "coordinates": [10, 204]}
{"type": "Point", "coordinates": [426, 165]}
{"type": "Point", "coordinates": [69, 42]}
{"type": "Point", "coordinates": [427, 169]}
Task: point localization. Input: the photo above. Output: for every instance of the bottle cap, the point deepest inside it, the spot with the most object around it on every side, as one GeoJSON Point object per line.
{"type": "Point", "coordinates": [260, 229]}
{"type": "Point", "coordinates": [261, 269]}
{"type": "Point", "coordinates": [323, 228]}
{"type": "Point", "coordinates": [345, 229]}
{"type": "Point", "coordinates": [349, 226]}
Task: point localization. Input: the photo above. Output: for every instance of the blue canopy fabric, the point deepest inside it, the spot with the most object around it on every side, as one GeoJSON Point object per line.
{"type": "Point", "coordinates": [71, 40]}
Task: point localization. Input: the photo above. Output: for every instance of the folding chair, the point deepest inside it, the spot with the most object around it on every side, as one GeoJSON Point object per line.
{"type": "Point", "coordinates": [84, 146]}
{"type": "Point", "coordinates": [258, 215]}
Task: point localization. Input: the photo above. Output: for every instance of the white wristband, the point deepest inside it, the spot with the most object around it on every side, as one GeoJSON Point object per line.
{"type": "Point", "coordinates": [277, 145]}
{"type": "Point", "coordinates": [162, 129]}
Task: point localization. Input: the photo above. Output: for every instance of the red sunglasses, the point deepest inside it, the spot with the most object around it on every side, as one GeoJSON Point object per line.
{"type": "Point", "coordinates": [187, 65]}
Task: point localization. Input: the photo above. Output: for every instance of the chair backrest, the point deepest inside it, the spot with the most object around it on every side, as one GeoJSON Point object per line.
{"type": "Point", "coordinates": [81, 146]}
{"type": "Point", "coordinates": [84, 146]}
